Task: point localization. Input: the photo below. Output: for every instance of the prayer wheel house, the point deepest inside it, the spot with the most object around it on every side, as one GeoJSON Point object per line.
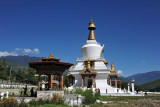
{"type": "Point", "coordinates": [49, 67]}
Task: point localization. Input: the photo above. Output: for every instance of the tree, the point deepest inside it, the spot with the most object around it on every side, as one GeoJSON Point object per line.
{"type": "Point", "coordinates": [2, 67]}
{"type": "Point", "coordinates": [3, 75]}
{"type": "Point", "coordinates": [124, 85]}
{"type": "Point", "coordinates": [66, 81]}
{"type": "Point", "coordinates": [31, 76]}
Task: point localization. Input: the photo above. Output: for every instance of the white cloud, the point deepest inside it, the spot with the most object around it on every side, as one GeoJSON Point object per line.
{"type": "Point", "coordinates": [5, 53]}
{"type": "Point", "coordinates": [18, 49]}
{"type": "Point", "coordinates": [120, 72]}
{"type": "Point", "coordinates": [30, 51]}
{"type": "Point", "coordinates": [36, 51]}
{"type": "Point", "coordinates": [27, 51]}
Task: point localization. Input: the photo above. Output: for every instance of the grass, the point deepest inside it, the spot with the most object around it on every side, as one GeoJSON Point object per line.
{"type": "Point", "coordinates": [127, 98]}
{"type": "Point", "coordinates": [132, 101]}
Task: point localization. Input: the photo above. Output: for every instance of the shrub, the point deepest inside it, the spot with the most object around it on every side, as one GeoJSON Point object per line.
{"type": "Point", "coordinates": [78, 91]}
{"type": "Point", "coordinates": [89, 97]}
{"type": "Point", "coordinates": [41, 102]}
{"type": "Point", "coordinates": [22, 103]}
{"type": "Point", "coordinates": [33, 102]}
{"type": "Point", "coordinates": [48, 101]}
{"type": "Point", "coordinates": [56, 99]}
{"type": "Point", "coordinates": [97, 95]}
{"type": "Point", "coordinates": [9, 102]}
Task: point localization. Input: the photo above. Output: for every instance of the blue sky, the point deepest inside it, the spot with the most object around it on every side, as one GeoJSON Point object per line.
{"type": "Point", "coordinates": [130, 30]}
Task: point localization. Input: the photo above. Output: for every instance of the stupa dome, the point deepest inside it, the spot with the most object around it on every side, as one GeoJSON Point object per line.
{"type": "Point", "coordinates": [92, 50]}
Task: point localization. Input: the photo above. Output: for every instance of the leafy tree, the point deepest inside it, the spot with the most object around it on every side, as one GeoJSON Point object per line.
{"type": "Point", "coordinates": [3, 76]}
{"type": "Point", "coordinates": [65, 80]}
{"type": "Point", "coordinates": [137, 87]}
{"type": "Point", "coordinates": [2, 67]}
{"type": "Point", "coordinates": [31, 76]}
{"type": "Point", "coordinates": [2, 72]}
{"type": "Point", "coordinates": [124, 85]}
{"type": "Point", "coordinates": [89, 97]}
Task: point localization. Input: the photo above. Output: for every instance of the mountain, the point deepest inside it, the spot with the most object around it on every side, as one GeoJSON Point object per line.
{"type": "Point", "coordinates": [23, 60]}
{"type": "Point", "coordinates": [142, 78]}
{"type": "Point", "coordinates": [152, 86]}
{"type": "Point", "coordinates": [12, 65]}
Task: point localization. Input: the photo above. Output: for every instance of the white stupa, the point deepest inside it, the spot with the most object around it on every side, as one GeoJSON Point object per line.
{"type": "Point", "coordinates": [91, 70]}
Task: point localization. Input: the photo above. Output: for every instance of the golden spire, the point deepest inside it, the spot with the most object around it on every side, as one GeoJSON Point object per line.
{"type": "Point", "coordinates": [51, 56]}
{"type": "Point", "coordinates": [91, 28]}
{"type": "Point", "coordinates": [112, 67]}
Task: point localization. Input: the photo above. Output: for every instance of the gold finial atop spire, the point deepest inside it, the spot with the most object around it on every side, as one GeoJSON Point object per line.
{"type": "Point", "coordinates": [112, 67]}
{"type": "Point", "coordinates": [91, 28]}
{"type": "Point", "coordinates": [51, 56]}
{"type": "Point", "coordinates": [91, 20]}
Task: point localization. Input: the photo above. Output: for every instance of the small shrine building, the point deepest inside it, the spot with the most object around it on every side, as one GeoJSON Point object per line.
{"type": "Point", "coordinates": [50, 66]}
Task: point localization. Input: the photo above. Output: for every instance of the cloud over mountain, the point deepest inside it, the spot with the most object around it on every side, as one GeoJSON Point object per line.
{"type": "Point", "coordinates": [20, 51]}
{"type": "Point", "coordinates": [5, 53]}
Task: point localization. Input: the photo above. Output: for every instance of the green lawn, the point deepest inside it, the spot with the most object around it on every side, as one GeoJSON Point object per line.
{"type": "Point", "coordinates": [127, 98]}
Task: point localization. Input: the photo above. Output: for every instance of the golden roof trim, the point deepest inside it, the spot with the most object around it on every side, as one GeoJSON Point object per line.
{"type": "Point", "coordinates": [88, 73]}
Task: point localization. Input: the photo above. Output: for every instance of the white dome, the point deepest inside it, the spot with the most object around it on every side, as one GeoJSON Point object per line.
{"type": "Point", "coordinates": [92, 50]}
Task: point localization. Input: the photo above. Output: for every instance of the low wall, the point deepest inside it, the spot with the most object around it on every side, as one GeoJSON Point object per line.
{"type": "Point", "coordinates": [11, 91]}
{"type": "Point", "coordinates": [16, 86]}
{"type": "Point", "coordinates": [48, 94]}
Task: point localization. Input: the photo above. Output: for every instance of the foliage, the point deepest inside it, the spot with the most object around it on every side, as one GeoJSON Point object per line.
{"type": "Point", "coordinates": [152, 86]}
{"type": "Point", "coordinates": [89, 97]}
{"type": "Point", "coordinates": [97, 96]}
{"type": "Point", "coordinates": [137, 87]}
{"type": "Point", "coordinates": [56, 99]}
{"type": "Point", "coordinates": [78, 90]}
{"type": "Point", "coordinates": [31, 76]}
{"type": "Point", "coordinates": [23, 104]}
{"type": "Point", "coordinates": [12, 102]}
{"type": "Point", "coordinates": [33, 102]}
{"type": "Point", "coordinates": [2, 67]}
{"type": "Point", "coordinates": [65, 80]}
{"type": "Point", "coordinates": [56, 87]}
{"type": "Point", "coordinates": [75, 90]}
{"type": "Point", "coordinates": [124, 85]}
{"type": "Point", "coordinates": [17, 73]}
{"type": "Point", "coordinates": [9, 102]}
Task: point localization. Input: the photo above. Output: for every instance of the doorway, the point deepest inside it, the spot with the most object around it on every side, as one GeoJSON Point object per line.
{"type": "Point", "coordinates": [89, 83]}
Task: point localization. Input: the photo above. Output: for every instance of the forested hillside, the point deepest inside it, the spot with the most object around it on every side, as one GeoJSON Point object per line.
{"type": "Point", "coordinates": [152, 86]}
{"type": "Point", "coordinates": [16, 72]}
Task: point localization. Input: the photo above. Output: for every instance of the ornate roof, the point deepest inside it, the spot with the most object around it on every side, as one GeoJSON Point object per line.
{"type": "Point", "coordinates": [113, 72]}
{"type": "Point", "coordinates": [50, 66]}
